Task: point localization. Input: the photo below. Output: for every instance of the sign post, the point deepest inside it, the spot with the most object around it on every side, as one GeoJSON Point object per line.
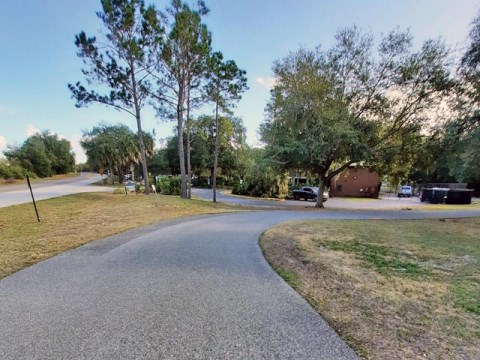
{"type": "Point", "coordinates": [33, 199]}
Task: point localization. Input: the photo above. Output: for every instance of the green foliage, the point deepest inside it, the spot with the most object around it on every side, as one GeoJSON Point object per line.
{"type": "Point", "coordinates": [260, 175]}
{"type": "Point", "coordinates": [180, 54]}
{"type": "Point", "coordinates": [231, 143]}
{"type": "Point", "coordinates": [118, 64]}
{"type": "Point", "coordinates": [458, 139]}
{"type": "Point", "coordinates": [170, 185]}
{"type": "Point", "coordinates": [225, 85]}
{"type": "Point", "coordinates": [232, 148]}
{"type": "Point", "coordinates": [226, 81]}
{"type": "Point", "coordinates": [450, 154]}
{"type": "Point", "coordinates": [264, 179]}
{"type": "Point", "coordinates": [114, 148]}
{"type": "Point", "coordinates": [8, 171]}
{"type": "Point", "coordinates": [347, 105]}
{"type": "Point", "coordinates": [158, 163]}
{"type": "Point", "coordinates": [84, 167]}
{"type": "Point", "coordinates": [201, 182]}
{"type": "Point", "coordinates": [471, 58]}
{"type": "Point", "coordinates": [43, 154]}
{"type": "Point", "coordinates": [461, 143]}
{"type": "Point", "coordinates": [240, 188]}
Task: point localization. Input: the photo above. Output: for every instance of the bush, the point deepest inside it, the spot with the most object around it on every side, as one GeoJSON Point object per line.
{"type": "Point", "coordinates": [8, 171]}
{"type": "Point", "coordinates": [119, 191]}
{"type": "Point", "coordinates": [201, 182]}
{"type": "Point", "coordinates": [170, 185]}
{"type": "Point", "coordinates": [263, 180]}
{"type": "Point", "coordinates": [5, 171]}
{"type": "Point", "coordinates": [239, 189]}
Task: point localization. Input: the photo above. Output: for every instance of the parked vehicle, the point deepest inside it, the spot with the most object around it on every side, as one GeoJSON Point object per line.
{"type": "Point", "coordinates": [405, 191]}
{"type": "Point", "coordinates": [130, 186]}
{"type": "Point", "coordinates": [308, 193]}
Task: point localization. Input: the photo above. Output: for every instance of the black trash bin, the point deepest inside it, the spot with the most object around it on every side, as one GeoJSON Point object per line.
{"type": "Point", "coordinates": [426, 195]}
{"type": "Point", "coordinates": [439, 195]}
{"type": "Point", "coordinates": [459, 197]}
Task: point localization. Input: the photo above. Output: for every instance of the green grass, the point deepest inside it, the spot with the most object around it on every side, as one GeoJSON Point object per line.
{"type": "Point", "coordinates": [467, 295]}
{"type": "Point", "coordinates": [382, 258]}
{"type": "Point", "coordinates": [290, 277]}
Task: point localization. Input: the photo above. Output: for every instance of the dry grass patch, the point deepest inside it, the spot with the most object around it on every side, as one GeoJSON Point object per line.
{"type": "Point", "coordinates": [391, 289]}
{"type": "Point", "coordinates": [70, 221]}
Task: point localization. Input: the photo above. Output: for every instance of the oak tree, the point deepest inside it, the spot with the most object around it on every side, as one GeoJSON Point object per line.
{"type": "Point", "coordinates": [349, 104]}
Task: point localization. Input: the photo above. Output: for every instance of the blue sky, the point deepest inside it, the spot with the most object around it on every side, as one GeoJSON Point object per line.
{"type": "Point", "coordinates": [38, 57]}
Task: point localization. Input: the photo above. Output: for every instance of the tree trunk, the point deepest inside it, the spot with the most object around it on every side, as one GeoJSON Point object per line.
{"type": "Point", "coordinates": [142, 152]}
{"type": "Point", "coordinates": [189, 166]}
{"type": "Point", "coordinates": [181, 151]}
{"type": "Point", "coordinates": [215, 161]}
{"type": "Point", "coordinates": [112, 181]}
{"type": "Point", "coordinates": [141, 144]}
{"type": "Point", "coordinates": [321, 181]}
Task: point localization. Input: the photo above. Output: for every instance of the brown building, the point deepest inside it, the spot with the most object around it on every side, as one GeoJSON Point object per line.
{"type": "Point", "coordinates": [357, 182]}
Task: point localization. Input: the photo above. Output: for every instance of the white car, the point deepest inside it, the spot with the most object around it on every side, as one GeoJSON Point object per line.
{"type": "Point", "coordinates": [405, 191]}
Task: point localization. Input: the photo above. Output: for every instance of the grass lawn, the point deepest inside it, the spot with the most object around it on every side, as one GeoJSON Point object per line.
{"type": "Point", "coordinates": [428, 207]}
{"type": "Point", "coordinates": [399, 289]}
{"type": "Point", "coordinates": [70, 221]}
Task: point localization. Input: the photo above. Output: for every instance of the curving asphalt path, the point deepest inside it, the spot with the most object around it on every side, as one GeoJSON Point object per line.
{"type": "Point", "coordinates": [192, 289]}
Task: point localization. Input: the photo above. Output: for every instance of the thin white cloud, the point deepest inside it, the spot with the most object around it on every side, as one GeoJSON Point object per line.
{"type": "Point", "coordinates": [31, 130]}
{"type": "Point", "coordinates": [266, 82]}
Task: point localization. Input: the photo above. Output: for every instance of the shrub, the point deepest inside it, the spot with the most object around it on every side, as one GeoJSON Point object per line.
{"type": "Point", "coordinates": [239, 189]}
{"type": "Point", "coordinates": [201, 182]}
{"type": "Point", "coordinates": [5, 171]}
{"type": "Point", "coordinates": [170, 186]}
{"type": "Point", "coordinates": [263, 180]}
{"type": "Point", "coordinates": [8, 171]}
{"type": "Point", "coordinates": [119, 191]}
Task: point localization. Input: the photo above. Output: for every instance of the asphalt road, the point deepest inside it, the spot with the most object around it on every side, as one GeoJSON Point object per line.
{"type": "Point", "coordinates": [391, 202]}
{"type": "Point", "coordinates": [19, 194]}
{"type": "Point", "coordinates": [192, 289]}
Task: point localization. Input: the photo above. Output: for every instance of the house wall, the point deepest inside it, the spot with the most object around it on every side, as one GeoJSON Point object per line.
{"type": "Point", "coordinates": [358, 182]}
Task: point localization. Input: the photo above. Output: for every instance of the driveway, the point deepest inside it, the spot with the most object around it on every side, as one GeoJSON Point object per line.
{"type": "Point", "coordinates": [387, 202]}
{"type": "Point", "coordinates": [192, 289]}
{"type": "Point", "coordinates": [19, 194]}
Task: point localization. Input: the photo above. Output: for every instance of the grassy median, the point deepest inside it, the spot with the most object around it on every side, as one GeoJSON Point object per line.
{"type": "Point", "coordinates": [391, 289]}
{"type": "Point", "coordinates": [70, 221]}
